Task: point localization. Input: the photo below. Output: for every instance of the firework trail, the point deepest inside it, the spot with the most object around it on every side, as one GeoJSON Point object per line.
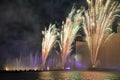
{"type": "Point", "coordinates": [50, 37]}
{"type": "Point", "coordinates": [68, 32]}
{"type": "Point", "coordinates": [97, 23]}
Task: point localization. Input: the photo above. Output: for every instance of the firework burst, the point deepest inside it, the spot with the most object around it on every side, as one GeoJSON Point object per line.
{"type": "Point", "coordinates": [97, 23]}
{"type": "Point", "coordinates": [50, 37]}
{"type": "Point", "coordinates": [68, 32]}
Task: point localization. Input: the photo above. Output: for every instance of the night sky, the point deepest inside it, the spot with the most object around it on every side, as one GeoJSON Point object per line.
{"type": "Point", "coordinates": [21, 23]}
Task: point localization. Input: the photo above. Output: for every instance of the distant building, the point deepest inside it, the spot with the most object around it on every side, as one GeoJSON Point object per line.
{"type": "Point", "coordinates": [109, 53]}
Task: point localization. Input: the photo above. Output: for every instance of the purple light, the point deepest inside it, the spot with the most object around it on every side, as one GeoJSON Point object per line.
{"type": "Point", "coordinates": [118, 68]}
{"type": "Point", "coordinates": [68, 68]}
{"type": "Point", "coordinates": [79, 65]}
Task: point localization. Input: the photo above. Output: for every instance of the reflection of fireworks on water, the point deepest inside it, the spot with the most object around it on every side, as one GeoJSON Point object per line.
{"type": "Point", "coordinates": [68, 32]}
{"type": "Point", "coordinates": [97, 24]}
{"type": "Point", "coordinates": [48, 42]}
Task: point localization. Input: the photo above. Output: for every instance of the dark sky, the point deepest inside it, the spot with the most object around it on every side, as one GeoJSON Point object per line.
{"type": "Point", "coordinates": [21, 23]}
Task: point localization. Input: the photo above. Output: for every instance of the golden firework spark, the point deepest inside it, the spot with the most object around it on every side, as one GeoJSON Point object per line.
{"type": "Point", "coordinates": [50, 37]}
{"type": "Point", "coordinates": [97, 23]}
{"type": "Point", "coordinates": [68, 32]}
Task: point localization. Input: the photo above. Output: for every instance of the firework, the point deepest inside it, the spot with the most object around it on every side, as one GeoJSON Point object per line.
{"type": "Point", "coordinates": [50, 37]}
{"type": "Point", "coordinates": [68, 32]}
{"type": "Point", "coordinates": [97, 23]}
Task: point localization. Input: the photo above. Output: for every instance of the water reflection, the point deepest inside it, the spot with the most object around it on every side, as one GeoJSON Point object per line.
{"type": "Point", "coordinates": [59, 75]}
{"type": "Point", "coordinates": [79, 75]}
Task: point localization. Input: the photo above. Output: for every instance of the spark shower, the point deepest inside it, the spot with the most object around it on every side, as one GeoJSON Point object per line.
{"type": "Point", "coordinates": [97, 24]}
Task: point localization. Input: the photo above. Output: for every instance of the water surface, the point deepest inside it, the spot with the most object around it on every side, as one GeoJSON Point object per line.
{"type": "Point", "coordinates": [61, 75]}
